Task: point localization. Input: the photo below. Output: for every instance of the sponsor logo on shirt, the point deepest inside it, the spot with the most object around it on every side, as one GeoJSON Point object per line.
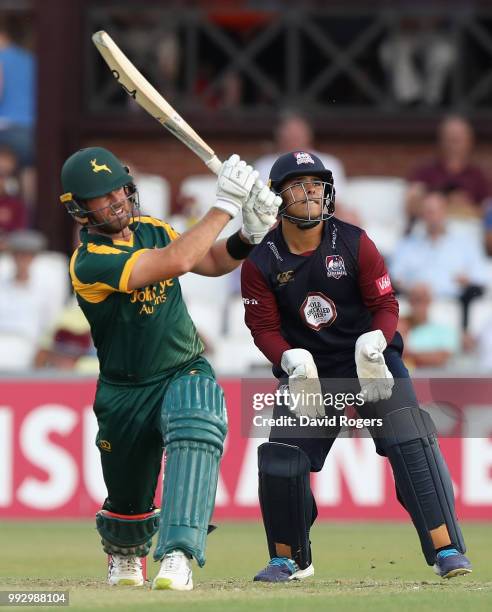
{"type": "Point", "coordinates": [273, 248]}
{"type": "Point", "coordinates": [284, 277]}
{"type": "Point", "coordinates": [105, 445]}
{"type": "Point", "coordinates": [335, 266]}
{"type": "Point", "coordinates": [318, 311]}
{"type": "Point", "coordinates": [250, 301]}
{"type": "Point", "coordinates": [151, 296]}
{"type": "Point", "coordinates": [303, 158]}
{"type": "Point", "coordinates": [383, 284]}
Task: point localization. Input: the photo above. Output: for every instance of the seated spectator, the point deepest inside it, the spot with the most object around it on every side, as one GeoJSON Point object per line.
{"type": "Point", "coordinates": [427, 344]}
{"type": "Point", "coordinates": [13, 213]}
{"type": "Point", "coordinates": [22, 309]}
{"type": "Point", "coordinates": [293, 133]}
{"type": "Point", "coordinates": [17, 97]}
{"type": "Point", "coordinates": [452, 171]}
{"type": "Point", "coordinates": [68, 345]}
{"type": "Point", "coordinates": [419, 57]}
{"type": "Point", "coordinates": [440, 257]}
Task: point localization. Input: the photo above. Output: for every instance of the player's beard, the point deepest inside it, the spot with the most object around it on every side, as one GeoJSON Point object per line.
{"type": "Point", "coordinates": [121, 214]}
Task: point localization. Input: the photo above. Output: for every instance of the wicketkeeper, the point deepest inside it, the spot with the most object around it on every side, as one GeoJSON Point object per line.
{"type": "Point", "coordinates": [155, 390]}
{"type": "Point", "coordinates": [319, 302]}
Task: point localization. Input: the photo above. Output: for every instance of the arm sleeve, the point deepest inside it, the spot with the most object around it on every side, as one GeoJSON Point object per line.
{"type": "Point", "coordinates": [376, 290]}
{"type": "Point", "coordinates": [261, 313]}
{"type": "Point", "coordinates": [102, 271]}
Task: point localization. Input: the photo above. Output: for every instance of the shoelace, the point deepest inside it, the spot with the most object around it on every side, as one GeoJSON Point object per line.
{"type": "Point", "coordinates": [127, 563]}
{"type": "Point", "coordinates": [292, 565]}
{"type": "Point", "coordinates": [171, 562]}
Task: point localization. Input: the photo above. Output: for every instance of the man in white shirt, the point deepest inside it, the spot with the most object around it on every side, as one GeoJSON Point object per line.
{"type": "Point", "coordinates": [294, 133]}
{"type": "Point", "coordinates": [442, 257]}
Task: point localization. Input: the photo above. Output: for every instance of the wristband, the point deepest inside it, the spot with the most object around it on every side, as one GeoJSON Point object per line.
{"type": "Point", "coordinates": [237, 248]}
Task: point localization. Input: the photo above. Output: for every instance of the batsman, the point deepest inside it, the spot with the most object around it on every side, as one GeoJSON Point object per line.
{"type": "Point", "coordinates": [155, 390]}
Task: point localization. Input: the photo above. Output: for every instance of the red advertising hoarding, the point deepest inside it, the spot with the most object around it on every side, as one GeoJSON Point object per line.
{"type": "Point", "coordinates": [49, 464]}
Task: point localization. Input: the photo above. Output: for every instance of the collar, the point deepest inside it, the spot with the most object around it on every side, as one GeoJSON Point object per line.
{"type": "Point", "coordinates": [94, 238]}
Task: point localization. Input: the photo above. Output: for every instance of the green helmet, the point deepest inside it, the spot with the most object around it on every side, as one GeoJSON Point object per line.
{"type": "Point", "coordinates": [92, 172]}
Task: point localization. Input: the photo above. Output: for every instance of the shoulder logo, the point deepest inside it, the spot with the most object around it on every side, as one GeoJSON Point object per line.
{"type": "Point", "coordinates": [335, 266]}
{"type": "Point", "coordinates": [303, 158]}
{"type": "Point", "coordinates": [97, 168]}
{"type": "Point", "coordinates": [273, 248]}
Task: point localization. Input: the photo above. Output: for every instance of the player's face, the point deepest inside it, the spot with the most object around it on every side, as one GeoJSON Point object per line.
{"type": "Point", "coordinates": [114, 210]}
{"type": "Point", "coordinates": [303, 197]}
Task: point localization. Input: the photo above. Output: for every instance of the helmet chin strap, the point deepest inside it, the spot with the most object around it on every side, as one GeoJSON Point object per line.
{"type": "Point", "coordinates": [305, 225]}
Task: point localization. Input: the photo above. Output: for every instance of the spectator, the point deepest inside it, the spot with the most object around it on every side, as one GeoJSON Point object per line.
{"type": "Point", "coordinates": [22, 309]}
{"type": "Point", "coordinates": [68, 345]}
{"type": "Point", "coordinates": [418, 57]}
{"type": "Point", "coordinates": [427, 344]}
{"type": "Point", "coordinates": [13, 213]}
{"type": "Point", "coordinates": [294, 133]}
{"type": "Point", "coordinates": [452, 171]}
{"type": "Point", "coordinates": [440, 257]}
{"type": "Point", "coordinates": [17, 98]}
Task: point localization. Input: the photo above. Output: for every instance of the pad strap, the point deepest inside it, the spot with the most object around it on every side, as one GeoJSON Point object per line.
{"type": "Point", "coordinates": [127, 535]}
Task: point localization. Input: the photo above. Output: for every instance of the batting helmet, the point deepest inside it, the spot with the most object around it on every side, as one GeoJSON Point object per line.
{"type": "Point", "coordinates": [90, 173]}
{"type": "Point", "coordinates": [303, 163]}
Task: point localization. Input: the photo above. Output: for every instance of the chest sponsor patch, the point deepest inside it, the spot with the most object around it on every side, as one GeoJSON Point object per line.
{"type": "Point", "coordinates": [318, 311]}
{"type": "Point", "coordinates": [335, 266]}
{"type": "Point", "coordinates": [383, 284]}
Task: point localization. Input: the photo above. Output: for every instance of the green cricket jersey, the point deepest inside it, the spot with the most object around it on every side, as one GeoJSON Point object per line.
{"type": "Point", "coordinates": [142, 333]}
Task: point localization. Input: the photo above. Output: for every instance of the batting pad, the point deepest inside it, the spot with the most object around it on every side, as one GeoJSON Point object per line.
{"type": "Point", "coordinates": [287, 503]}
{"type": "Point", "coordinates": [194, 426]}
{"type": "Point", "coordinates": [127, 535]}
{"type": "Point", "coordinates": [422, 478]}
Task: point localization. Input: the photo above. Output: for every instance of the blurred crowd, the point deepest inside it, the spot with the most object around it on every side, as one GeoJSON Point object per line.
{"type": "Point", "coordinates": [434, 225]}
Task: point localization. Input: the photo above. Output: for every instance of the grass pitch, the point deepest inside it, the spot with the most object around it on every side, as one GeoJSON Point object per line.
{"type": "Point", "coordinates": [359, 566]}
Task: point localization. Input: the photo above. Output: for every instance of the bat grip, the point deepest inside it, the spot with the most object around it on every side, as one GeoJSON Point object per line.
{"type": "Point", "coordinates": [214, 164]}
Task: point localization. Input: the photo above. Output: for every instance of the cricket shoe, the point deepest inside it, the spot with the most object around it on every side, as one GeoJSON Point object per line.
{"type": "Point", "coordinates": [450, 563]}
{"type": "Point", "coordinates": [175, 573]}
{"type": "Point", "coordinates": [125, 571]}
{"type": "Point", "coordinates": [283, 569]}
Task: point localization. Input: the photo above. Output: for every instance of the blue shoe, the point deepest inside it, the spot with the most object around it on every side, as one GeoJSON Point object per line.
{"type": "Point", "coordinates": [283, 569]}
{"type": "Point", "coordinates": [450, 563]}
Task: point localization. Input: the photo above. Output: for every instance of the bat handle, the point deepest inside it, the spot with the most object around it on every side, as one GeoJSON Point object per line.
{"type": "Point", "coordinates": [214, 164]}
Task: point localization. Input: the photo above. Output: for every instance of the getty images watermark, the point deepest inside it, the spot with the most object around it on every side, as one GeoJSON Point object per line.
{"type": "Point", "coordinates": [459, 407]}
{"type": "Point", "coordinates": [303, 401]}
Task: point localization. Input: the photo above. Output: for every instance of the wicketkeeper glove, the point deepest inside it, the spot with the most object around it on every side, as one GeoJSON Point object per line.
{"type": "Point", "coordinates": [376, 381]}
{"type": "Point", "coordinates": [259, 212]}
{"type": "Point", "coordinates": [304, 386]}
{"type": "Point", "coordinates": [234, 185]}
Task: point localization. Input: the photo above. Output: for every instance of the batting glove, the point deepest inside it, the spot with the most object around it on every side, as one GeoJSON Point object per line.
{"type": "Point", "coordinates": [234, 185]}
{"type": "Point", "coordinates": [259, 212]}
{"type": "Point", "coordinates": [306, 396]}
{"type": "Point", "coordinates": [376, 381]}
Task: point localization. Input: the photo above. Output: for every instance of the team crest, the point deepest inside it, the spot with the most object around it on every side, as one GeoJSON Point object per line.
{"type": "Point", "coordinates": [99, 167]}
{"type": "Point", "coordinates": [318, 311]}
{"type": "Point", "coordinates": [335, 266]}
{"type": "Point", "coordinates": [303, 158]}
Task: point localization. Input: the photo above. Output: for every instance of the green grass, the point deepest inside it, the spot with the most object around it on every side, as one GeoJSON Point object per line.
{"type": "Point", "coordinates": [359, 566]}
